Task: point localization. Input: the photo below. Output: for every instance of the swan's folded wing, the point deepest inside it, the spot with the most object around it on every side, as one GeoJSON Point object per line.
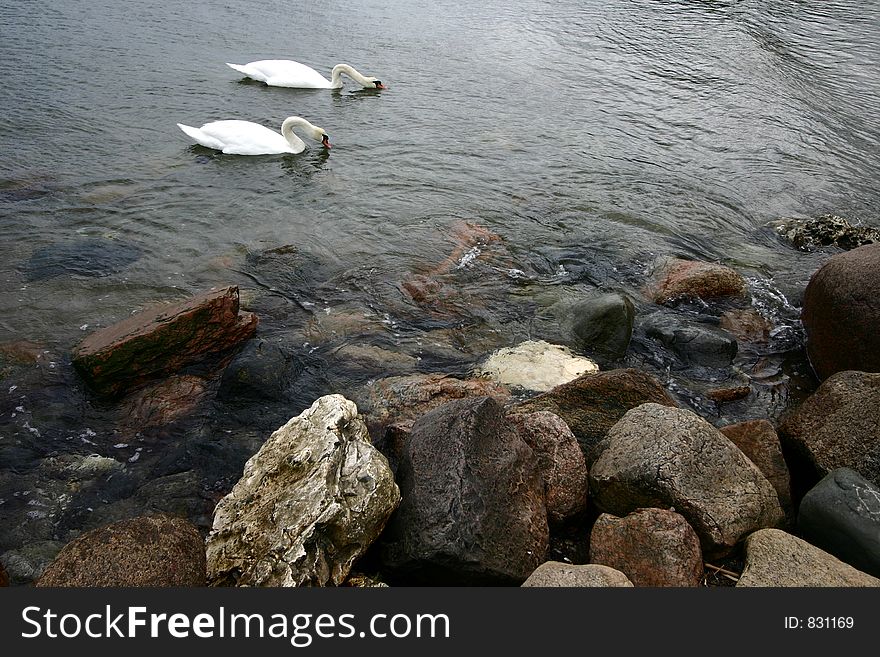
{"type": "Point", "coordinates": [201, 137]}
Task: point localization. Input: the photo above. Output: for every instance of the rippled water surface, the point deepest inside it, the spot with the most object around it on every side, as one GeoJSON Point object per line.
{"type": "Point", "coordinates": [572, 142]}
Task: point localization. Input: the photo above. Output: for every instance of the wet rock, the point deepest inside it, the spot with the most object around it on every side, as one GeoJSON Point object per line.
{"type": "Point", "coordinates": [309, 503]}
{"type": "Point", "coordinates": [652, 547]}
{"type": "Point", "coordinates": [261, 371]}
{"type": "Point", "coordinates": [535, 365]}
{"type": "Point", "coordinates": [841, 515]}
{"type": "Point", "coordinates": [145, 551]}
{"type": "Point", "coordinates": [835, 427]}
{"type": "Point", "coordinates": [375, 358]}
{"type": "Point", "coordinates": [25, 564]}
{"type": "Point", "coordinates": [729, 394]}
{"type": "Point", "coordinates": [758, 440]}
{"type": "Point", "coordinates": [4, 577]}
{"type": "Point", "coordinates": [841, 313]}
{"type": "Point", "coordinates": [600, 325]}
{"type": "Point", "coordinates": [592, 404]}
{"type": "Point", "coordinates": [473, 500]}
{"type": "Point", "coordinates": [399, 400]}
{"type": "Point", "coordinates": [664, 457]}
{"type": "Point", "coordinates": [825, 230]}
{"type": "Point", "coordinates": [164, 402]}
{"type": "Point", "coordinates": [560, 461]}
{"type": "Point", "coordinates": [746, 325]}
{"type": "Point", "coordinates": [94, 257]}
{"type": "Point", "coordinates": [162, 339]}
{"type": "Point", "coordinates": [674, 278]}
{"type": "Point", "coordinates": [694, 343]}
{"type": "Point", "coordinates": [558, 574]}
{"type": "Point", "coordinates": [778, 559]}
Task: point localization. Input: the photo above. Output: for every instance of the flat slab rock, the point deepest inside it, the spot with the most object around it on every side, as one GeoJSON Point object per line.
{"type": "Point", "coordinates": [558, 574]}
{"type": "Point", "coordinates": [161, 339]}
{"type": "Point", "coordinates": [535, 365]}
{"type": "Point", "coordinates": [776, 558]}
{"type": "Point", "coordinates": [309, 503]}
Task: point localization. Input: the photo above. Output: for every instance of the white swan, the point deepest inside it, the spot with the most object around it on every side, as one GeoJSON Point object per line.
{"type": "Point", "coordinates": [246, 138]}
{"type": "Point", "coordinates": [287, 73]}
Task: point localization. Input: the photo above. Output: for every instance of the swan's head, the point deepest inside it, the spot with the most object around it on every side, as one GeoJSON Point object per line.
{"type": "Point", "coordinates": [377, 83]}
{"type": "Point", "coordinates": [320, 135]}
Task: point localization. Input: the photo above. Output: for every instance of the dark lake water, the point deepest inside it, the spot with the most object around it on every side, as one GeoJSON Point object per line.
{"type": "Point", "coordinates": [584, 138]}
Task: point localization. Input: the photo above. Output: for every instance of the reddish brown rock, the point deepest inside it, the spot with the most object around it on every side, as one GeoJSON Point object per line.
{"type": "Point", "coordinates": [746, 325]}
{"type": "Point", "coordinates": [162, 339]}
{"type": "Point", "coordinates": [163, 402]}
{"type": "Point", "coordinates": [675, 278]}
{"type": "Point", "coordinates": [724, 395]}
{"type": "Point", "coordinates": [399, 400]}
{"type": "Point", "coordinates": [653, 547]}
{"type": "Point", "coordinates": [4, 577]}
{"type": "Point", "coordinates": [757, 439]}
{"type": "Point", "coordinates": [23, 352]}
{"type": "Point", "coordinates": [835, 427]}
{"type": "Point", "coordinates": [560, 461]}
{"type": "Point", "coordinates": [841, 313]}
{"type": "Point", "coordinates": [593, 403]}
{"type": "Point", "coordinates": [146, 551]}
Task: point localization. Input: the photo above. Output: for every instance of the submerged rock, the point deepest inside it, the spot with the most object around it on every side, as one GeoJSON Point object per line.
{"type": "Point", "coordinates": [91, 256]}
{"type": "Point", "coordinates": [664, 457]}
{"type": "Point", "coordinates": [592, 404]}
{"type": "Point", "coordinates": [535, 365]}
{"type": "Point", "coordinates": [162, 339]}
{"type": "Point", "coordinates": [652, 547]}
{"type": "Point", "coordinates": [835, 427]}
{"type": "Point", "coordinates": [825, 230]}
{"type": "Point", "coordinates": [309, 503]}
{"type": "Point", "coordinates": [473, 500]}
{"type": "Point", "coordinates": [841, 515]}
{"type": "Point", "coordinates": [558, 574]}
{"type": "Point", "coordinates": [693, 343]}
{"type": "Point", "coordinates": [675, 278]}
{"type": "Point", "coordinates": [145, 551]}
{"type": "Point", "coordinates": [261, 371]}
{"type": "Point", "coordinates": [599, 325]}
{"type": "Point", "coordinates": [778, 559]}
{"type": "Point", "coordinates": [841, 313]}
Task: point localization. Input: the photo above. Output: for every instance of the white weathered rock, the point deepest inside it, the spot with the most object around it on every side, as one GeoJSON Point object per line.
{"type": "Point", "coordinates": [776, 558]}
{"type": "Point", "coordinates": [558, 574]}
{"type": "Point", "coordinates": [535, 365]}
{"type": "Point", "coordinates": [310, 502]}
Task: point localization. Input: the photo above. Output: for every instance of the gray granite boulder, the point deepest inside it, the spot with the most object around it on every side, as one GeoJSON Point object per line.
{"type": "Point", "coordinates": [841, 515]}
{"type": "Point", "coordinates": [309, 503]}
{"type": "Point", "coordinates": [558, 574]}
{"type": "Point", "coordinates": [664, 457]}
{"type": "Point", "coordinates": [473, 500]}
{"type": "Point", "coordinates": [774, 558]}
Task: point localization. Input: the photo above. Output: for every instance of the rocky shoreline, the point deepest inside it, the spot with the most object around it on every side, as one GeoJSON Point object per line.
{"type": "Point", "coordinates": [557, 461]}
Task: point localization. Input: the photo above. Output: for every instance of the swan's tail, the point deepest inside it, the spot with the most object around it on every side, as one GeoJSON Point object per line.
{"type": "Point", "coordinates": [200, 137]}
{"type": "Point", "coordinates": [248, 71]}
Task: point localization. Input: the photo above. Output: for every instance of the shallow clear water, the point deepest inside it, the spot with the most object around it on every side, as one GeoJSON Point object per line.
{"type": "Point", "coordinates": [584, 138]}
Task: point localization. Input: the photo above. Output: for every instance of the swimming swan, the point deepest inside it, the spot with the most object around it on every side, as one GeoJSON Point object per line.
{"type": "Point", "coordinates": [246, 138]}
{"type": "Point", "coordinates": [287, 73]}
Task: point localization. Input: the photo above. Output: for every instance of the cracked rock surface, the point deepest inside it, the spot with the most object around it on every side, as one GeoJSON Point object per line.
{"type": "Point", "coordinates": [310, 502]}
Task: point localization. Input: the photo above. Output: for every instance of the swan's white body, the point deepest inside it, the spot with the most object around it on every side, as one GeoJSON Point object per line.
{"type": "Point", "coordinates": [246, 138]}
{"type": "Point", "coordinates": [287, 73]}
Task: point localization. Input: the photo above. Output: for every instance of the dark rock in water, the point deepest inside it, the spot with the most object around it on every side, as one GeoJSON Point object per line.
{"type": "Point", "coordinates": [758, 440]}
{"type": "Point", "coordinates": [145, 551]}
{"type": "Point", "coordinates": [599, 326]}
{"type": "Point", "coordinates": [826, 230]}
{"type": "Point", "coordinates": [162, 403]}
{"type": "Point", "coordinates": [653, 547]}
{"type": "Point", "coordinates": [593, 403]}
{"type": "Point", "coordinates": [472, 509]}
{"type": "Point", "coordinates": [93, 257]}
{"type": "Point", "coordinates": [694, 343]}
{"type": "Point", "coordinates": [674, 278]}
{"type": "Point", "coordinates": [657, 456]}
{"type": "Point", "coordinates": [835, 427]}
{"type": "Point", "coordinates": [261, 370]}
{"type": "Point", "coordinates": [4, 578]}
{"type": "Point", "coordinates": [841, 515]}
{"type": "Point", "coordinates": [841, 313]}
{"type": "Point", "coordinates": [161, 340]}
{"type": "Point", "coordinates": [557, 574]}
{"type": "Point", "coordinates": [560, 460]}
{"type": "Point", "coordinates": [746, 325]}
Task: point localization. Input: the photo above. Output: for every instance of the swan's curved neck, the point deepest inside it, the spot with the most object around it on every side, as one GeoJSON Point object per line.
{"type": "Point", "coordinates": [350, 71]}
{"type": "Point", "coordinates": [297, 144]}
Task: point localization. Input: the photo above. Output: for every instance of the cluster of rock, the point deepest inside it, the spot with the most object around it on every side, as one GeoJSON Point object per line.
{"type": "Point", "coordinates": [432, 479]}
